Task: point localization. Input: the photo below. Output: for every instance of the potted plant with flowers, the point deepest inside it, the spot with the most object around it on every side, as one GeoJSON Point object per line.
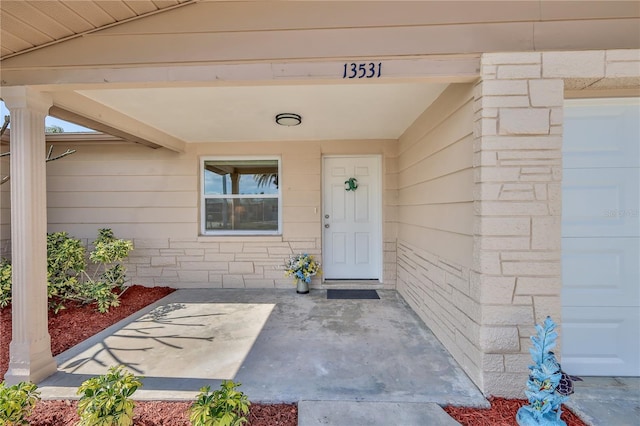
{"type": "Point", "coordinates": [302, 267]}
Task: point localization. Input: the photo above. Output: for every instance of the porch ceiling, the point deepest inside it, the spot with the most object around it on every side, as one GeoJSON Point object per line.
{"type": "Point", "coordinates": [247, 113]}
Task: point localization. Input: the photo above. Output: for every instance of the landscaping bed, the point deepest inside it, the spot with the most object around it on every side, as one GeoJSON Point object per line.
{"type": "Point", "coordinates": [502, 413]}
{"type": "Point", "coordinates": [162, 413]}
{"type": "Point", "coordinates": [78, 322]}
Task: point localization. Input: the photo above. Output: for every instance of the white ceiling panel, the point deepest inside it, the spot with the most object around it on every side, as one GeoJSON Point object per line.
{"type": "Point", "coordinates": [208, 114]}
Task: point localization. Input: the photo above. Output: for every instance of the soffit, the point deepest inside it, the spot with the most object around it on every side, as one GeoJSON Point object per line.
{"type": "Point", "coordinates": [225, 114]}
{"type": "Point", "coordinates": [27, 24]}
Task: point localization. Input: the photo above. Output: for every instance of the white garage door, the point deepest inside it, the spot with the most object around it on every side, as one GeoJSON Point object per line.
{"type": "Point", "coordinates": [601, 237]}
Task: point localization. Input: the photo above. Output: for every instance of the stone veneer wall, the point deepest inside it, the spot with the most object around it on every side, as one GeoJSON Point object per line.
{"type": "Point", "coordinates": [237, 263]}
{"type": "Point", "coordinates": [518, 171]}
{"type": "Point", "coordinates": [248, 263]}
{"type": "Point", "coordinates": [516, 273]}
{"type": "Point", "coordinates": [437, 289]}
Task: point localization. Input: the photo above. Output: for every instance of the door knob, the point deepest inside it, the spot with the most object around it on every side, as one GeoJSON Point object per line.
{"type": "Point", "coordinates": [326, 216]}
{"type": "Point", "coordinates": [326, 225]}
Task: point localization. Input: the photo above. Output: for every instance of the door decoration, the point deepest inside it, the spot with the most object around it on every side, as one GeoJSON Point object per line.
{"type": "Point", "coordinates": [351, 184]}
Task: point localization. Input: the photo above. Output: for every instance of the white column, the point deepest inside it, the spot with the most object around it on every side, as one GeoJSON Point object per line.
{"type": "Point", "coordinates": [30, 349]}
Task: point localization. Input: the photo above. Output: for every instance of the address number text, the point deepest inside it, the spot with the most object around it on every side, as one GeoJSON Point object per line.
{"type": "Point", "coordinates": [362, 70]}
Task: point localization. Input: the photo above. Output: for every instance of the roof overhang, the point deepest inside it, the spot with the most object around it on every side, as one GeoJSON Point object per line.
{"type": "Point", "coordinates": [181, 75]}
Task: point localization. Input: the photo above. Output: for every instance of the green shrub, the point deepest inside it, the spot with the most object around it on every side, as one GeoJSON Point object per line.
{"type": "Point", "coordinates": [108, 249]}
{"type": "Point", "coordinates": [67, 275]}
{"type": "Point", "coordinates": [106, 400]}
{"type": "Point", "coordinates": [5, 283]}
{"type": "Point", "coordinates": [106, 288]}
{"type": "Point", "coordinates": [65, 263]}
{"type": "Point", "coordinates": [224, 407]}
{"type": "Point", "coordinates": [17, 402]}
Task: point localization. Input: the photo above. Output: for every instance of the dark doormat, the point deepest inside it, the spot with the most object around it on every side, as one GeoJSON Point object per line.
{"type": "Point", "coordinates": [352, 294]}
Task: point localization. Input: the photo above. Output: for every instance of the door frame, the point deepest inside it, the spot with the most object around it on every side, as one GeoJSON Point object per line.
{"type": "Point", "coordinates": [377, 202]}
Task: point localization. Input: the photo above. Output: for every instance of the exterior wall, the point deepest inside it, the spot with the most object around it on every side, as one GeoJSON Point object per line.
{"type": "Point", "coordinates": [152, 197]}
{"type": "Point", "coordinates": [516, 276]}
{"type": "Point", "coordinates": [479, 205]}
{"type": "Point", "coordinates": [516, 271]}
{"type": "Point", "coordinates": [435, 222]}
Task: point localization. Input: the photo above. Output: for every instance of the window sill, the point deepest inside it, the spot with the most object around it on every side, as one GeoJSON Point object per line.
{"type": "Point", "coordinates": [240, 238]}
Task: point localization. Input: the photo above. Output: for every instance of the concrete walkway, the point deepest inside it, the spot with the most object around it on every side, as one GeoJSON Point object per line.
{"type": "Point", "coordinates": [360, 413]}
{"type": "Point", "coordinates": [282, 347]}
{"type": "Point", "coordinates": [607, 401]}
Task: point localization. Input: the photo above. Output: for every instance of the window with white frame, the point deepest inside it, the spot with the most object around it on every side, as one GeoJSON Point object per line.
{"type": "Point", "coordinates": [241, 196]}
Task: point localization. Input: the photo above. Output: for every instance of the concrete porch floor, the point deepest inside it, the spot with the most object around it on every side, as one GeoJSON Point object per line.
{"type": "Point", "coordinates": [282, 347]}
{"type": "Point", "coordinates": [351, 362]}
{"type": "Point", "coordinates": [285, 347]}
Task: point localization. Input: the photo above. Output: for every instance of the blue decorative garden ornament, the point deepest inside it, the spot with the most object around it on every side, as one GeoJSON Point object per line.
{"type": "Point", "coordinates": [544, 378]}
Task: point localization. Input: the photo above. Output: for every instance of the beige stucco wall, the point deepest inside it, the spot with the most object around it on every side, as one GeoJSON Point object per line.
{"type": "Point", "coordinates": [152, 197]}
{"type": "Point", "coordinates": [435, 221]}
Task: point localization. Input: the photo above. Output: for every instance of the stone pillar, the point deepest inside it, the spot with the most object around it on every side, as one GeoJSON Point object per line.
{"type": "Point", "coordinates": [516, 274]}
{"type": "Point", "coordinates": [30, 349]}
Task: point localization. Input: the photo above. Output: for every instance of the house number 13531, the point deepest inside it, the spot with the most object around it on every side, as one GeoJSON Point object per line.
{"type": "Point", "coordinates": [362, 70]}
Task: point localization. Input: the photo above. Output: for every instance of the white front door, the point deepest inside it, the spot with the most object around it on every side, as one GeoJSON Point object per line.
{"type": "Point", "coordinates": [352, 240]}
{"type": "Point", "coordinates": [601, 238]}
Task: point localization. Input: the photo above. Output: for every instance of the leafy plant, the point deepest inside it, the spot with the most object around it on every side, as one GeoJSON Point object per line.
{"type": "Point", "coordinates": [65, 261]}
{"type": "Point", "coordinates": [544, 401]}
{"type": "Point", "coordinates": [106, 400]}
{"type": "Point", "coordinates": [17, 402]}
{"type": "Point", "coordinates": [5, 283]}
{"type": "Point", "coordinates": [107, 251]}
{"type": "Point", "coordinates": [224, 407]}
{"type": "Point", "coordinates": [67, 275]}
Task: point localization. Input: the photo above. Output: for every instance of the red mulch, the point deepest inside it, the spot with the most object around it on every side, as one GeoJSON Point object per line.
{"type": "Point", "coordinates": [161, 413]}
{"type": "Point", "coordinates": [78, 322]}
{"type": "Point", "coordinates": [502, 413]}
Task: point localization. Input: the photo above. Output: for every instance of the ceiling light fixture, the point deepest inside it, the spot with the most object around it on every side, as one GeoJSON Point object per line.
{"type": "Point", "coordinates": [288, 119]}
